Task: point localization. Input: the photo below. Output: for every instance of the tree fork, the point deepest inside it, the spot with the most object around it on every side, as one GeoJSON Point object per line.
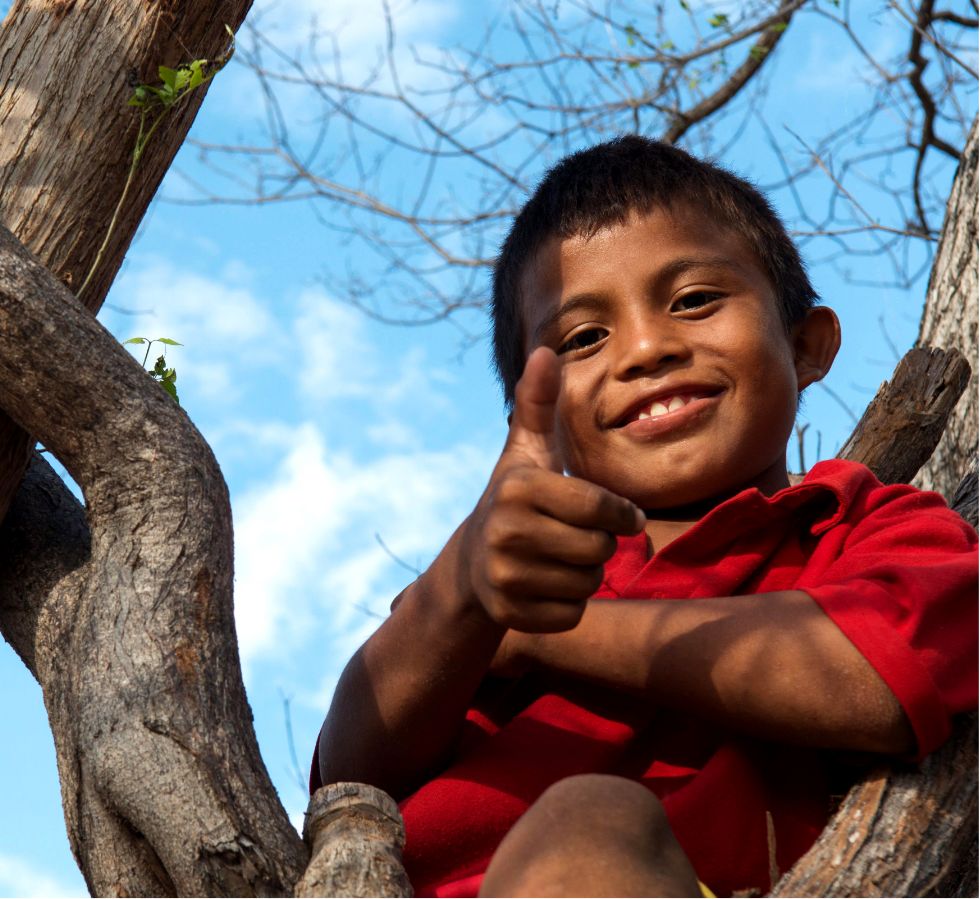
{"type": "Point", "coordinates": [163, 786]}
{"type": "Point", "coordinates": [59, 204]}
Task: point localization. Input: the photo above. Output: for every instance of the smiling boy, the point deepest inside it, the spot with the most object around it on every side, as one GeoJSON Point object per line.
{"type": "Point", "coordinates": [627, 670]}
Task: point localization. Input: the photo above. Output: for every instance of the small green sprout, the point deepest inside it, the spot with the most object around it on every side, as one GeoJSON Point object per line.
{"type": "Point", "coordinates": [165, 377]}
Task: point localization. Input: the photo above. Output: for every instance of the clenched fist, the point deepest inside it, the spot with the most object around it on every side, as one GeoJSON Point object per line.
{"type": "Point", "coordinates": [533, 550]}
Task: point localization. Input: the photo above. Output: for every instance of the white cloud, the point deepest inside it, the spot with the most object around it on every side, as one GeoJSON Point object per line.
{"type": "Point", "coordinates": [19, 877]}
{"type": "Point", "coordinates": [308, 562]}
{"type": "Point", "coordinates": [218, 319]}
{"type": "Point", "coordinates": [169, 301]}
{"type": "Point", "coordinates": [335, 357]}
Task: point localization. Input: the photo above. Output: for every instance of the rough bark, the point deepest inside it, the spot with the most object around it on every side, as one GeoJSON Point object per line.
{"type": "Point", "coordinates": [355, 835]}
{"type": "Point", "coordinates": [130, 631]}
{"type": "Point", "coordinates": [66, 71]}
{"type": "Point", "coordinates": [949, 319]}
{"type": "Point", "coordinates": [904, 830]}
{"type": "Point", "coordinates": [892, 837]}
{"type": "Point", "coordinates": [904, 422]}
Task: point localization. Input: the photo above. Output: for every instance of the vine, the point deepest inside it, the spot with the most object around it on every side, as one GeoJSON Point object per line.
{"type": "Point", "coordinates": [154, 103]}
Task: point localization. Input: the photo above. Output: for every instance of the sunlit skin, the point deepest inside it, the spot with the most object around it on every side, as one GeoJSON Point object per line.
{"type": "Point", "coordinates": [665, 305]}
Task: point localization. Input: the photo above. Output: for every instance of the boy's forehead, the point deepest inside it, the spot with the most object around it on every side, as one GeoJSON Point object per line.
{"type": "Point", "coordinates": [661, 240]}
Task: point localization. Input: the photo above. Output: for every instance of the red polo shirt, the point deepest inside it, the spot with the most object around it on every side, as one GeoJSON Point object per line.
{"type": "Point", "coordinates": [894, 569]}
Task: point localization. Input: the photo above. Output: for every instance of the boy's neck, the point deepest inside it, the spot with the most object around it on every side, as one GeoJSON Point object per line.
{"type": "Point", "coordinates": [666, 525]}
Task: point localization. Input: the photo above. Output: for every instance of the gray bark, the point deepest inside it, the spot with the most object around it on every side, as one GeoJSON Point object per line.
{"type": "Point", "coordinates": [949, 319]}
{"type": "Point", "coordinates": [130, 631]}
{"type": "Point", "coordinates": [355, 834]}
{"type": "Point", "coordinates": [67, 135]}
{"type": "Point", "coordinates": [905, 831]}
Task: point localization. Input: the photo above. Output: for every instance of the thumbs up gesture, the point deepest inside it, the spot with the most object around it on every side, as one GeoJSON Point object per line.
{"type": "Point", "coordinates": [535, 545]}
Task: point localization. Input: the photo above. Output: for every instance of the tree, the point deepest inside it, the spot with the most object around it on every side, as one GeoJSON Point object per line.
{"type": "Point", "coordinates": [122, 610]}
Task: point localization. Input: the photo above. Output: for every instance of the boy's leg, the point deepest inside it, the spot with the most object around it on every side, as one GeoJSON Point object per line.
{"type": "Point", "coordinates": [591, 835]}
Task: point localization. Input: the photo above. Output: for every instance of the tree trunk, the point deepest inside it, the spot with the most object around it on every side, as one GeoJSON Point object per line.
{"type": "Point", "coordinates": [128, 625]}
{"type": "Point", "coordinates": [123, 612]}
{"type": "Point", "coordinates": [949, 319]}
{"type": "Point", "coordinates": [67, 69]}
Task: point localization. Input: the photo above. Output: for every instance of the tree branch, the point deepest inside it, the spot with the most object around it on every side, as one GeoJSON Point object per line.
{"type": "Point", "coordinates": [141, 677]}
{"type": "Point", "coordinates": [757, 57]}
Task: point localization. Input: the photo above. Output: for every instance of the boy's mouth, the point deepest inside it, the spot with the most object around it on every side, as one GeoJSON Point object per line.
{"type": "Point", "coordinates": [665, 403]}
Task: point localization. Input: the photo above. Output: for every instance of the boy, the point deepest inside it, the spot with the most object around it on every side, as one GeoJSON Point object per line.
{"type": "Point", "coordinates": [640, 605]}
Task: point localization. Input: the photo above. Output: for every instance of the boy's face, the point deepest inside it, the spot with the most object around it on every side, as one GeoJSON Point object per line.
{"type": "Point", "coordinates": [679, 381]}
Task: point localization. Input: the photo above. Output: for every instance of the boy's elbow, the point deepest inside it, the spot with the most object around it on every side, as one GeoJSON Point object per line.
{"type": "Point", "coordinates": [891, 732]}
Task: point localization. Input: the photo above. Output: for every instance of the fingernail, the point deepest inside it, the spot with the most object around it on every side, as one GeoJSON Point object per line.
{"type": "Point", "coordinates": [641, 519]}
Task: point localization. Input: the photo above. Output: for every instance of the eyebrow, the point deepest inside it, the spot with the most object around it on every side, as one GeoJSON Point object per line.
{"type": "Point", "coordinates": [679, 266]}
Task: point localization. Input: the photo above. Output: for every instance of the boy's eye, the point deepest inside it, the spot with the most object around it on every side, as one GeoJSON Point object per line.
{"type": "Point", "coordinates": [582, 340]}
{"type": "Point", "coordinates": [695, 300]}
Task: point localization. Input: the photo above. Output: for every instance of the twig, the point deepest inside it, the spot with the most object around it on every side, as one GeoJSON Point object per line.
{"type": "Point", "coordinates": [395, 558]}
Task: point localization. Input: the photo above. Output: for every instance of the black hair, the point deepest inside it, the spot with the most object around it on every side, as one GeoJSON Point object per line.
{"type": "Point", "coordinates": [605, 185]}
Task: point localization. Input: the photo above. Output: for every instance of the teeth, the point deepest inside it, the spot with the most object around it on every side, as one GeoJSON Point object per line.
{"type": "Point", "coordinates": [644, 415]}
{"type": "Point", "coordinates": [658, 409]}
{"type": "Point", "coordinates": [675, 403]}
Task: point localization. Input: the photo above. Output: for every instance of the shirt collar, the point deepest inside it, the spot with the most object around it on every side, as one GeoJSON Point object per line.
{"type": "Point", "coordinates": [821, 500]}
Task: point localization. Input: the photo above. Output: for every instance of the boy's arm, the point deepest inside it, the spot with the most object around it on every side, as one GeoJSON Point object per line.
{"type": "Point", "coordinates": [402, 697]}
{"type": "Point", "coordinates": [529, 556]}
{"type": "Point", "coordinates": [773, 665]}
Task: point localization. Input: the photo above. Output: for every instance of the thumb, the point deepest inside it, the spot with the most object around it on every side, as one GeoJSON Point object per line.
{"type": "Point", "coordinates": [532, 423]}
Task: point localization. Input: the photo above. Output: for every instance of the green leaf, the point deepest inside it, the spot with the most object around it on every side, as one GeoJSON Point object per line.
{"type": "Point", "coordinates": [197, 73]}
{"type": "Point", "coordinates": [140, 96]}
{"type": "Point", "coordinates": [171, 389]}
{"type": "Point", "coordinates": [633, 64]}
{"type": "Point", "coordinates": [720, 20]}
{"type": "Point", "coordinates": [168, 341]}
{"type": "Point", "coordinates": [168, 76]}
{"type": "Point", "coordinates": [684, 5]}
{"type": "Point", "coordinates": [631, 35]}
{"type": "Point", "coordinates": [779, 27]}
{"type": "Point", "coordinates": [668, 45]}
{"type": "Point", "coordinates": [758, 53]}
{"type": "Point", "coordinates": [135, 340]}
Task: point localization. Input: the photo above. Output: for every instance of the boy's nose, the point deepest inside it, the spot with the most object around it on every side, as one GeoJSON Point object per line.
{"type": "Point", "coordinates": [647, 346]}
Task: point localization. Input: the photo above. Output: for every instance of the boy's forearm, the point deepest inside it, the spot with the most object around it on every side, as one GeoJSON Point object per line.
{"type": "Point", "coordinates": [402, 698]}
{"type": "Point", "coordinates": [773, 665]}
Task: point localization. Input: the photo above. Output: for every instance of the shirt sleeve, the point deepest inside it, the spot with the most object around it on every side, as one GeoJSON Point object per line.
{"type": "Point", "coordinates": [903, 589]}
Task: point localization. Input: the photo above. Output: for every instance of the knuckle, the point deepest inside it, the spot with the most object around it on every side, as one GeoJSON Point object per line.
{"type": "Point", "coordinates": [513, 486]}
{"type": "Point", "coordinates": [605, 545]}
{"type": "Point", "coordinates": [495, 531]}
{"type": "Point", "coordinates": [498, 573]}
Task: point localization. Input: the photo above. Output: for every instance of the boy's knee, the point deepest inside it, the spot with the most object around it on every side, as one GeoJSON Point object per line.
{"type": "Point", "coordinates": [591, 835]}
{"type": "Point", "coordinates": [606, 801]}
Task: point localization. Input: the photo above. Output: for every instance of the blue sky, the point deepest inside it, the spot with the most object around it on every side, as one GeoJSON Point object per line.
{"type": "Point", "coordinates": [337, 433]}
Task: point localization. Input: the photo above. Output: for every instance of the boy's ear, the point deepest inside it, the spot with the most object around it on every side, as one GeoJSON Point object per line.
{"type": "Point", "coordinates": [816, 341]}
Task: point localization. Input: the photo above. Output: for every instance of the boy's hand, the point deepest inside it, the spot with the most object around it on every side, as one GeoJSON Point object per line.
{"type": "Point", "coordinates": [534, 548]}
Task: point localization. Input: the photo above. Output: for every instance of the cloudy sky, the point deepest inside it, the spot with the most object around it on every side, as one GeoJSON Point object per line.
{"type": "Point", "coordinates": [352, 448]}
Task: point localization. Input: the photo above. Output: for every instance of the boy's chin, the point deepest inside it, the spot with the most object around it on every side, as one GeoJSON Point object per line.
{"type": "Point", "coordinates": [688, 501]}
